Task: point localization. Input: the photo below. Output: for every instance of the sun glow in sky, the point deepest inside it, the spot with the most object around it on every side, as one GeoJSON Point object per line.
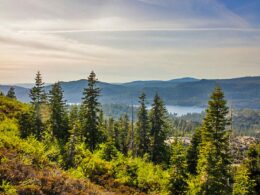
{"type": "Point", "coordinates": [125, 40]}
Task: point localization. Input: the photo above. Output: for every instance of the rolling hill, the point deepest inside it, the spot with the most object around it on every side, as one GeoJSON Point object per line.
{"type": "Point", "coordinates": [241, 92]}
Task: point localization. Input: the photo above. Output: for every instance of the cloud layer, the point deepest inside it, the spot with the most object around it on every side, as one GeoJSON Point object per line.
{"type": "Point", "coordinates": [125, 40]}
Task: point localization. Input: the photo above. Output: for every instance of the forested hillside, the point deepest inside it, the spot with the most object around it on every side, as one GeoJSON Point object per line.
{"type": "Point", "coordinates": [240, 92]}
{"type": "Point", "coordinates": [48, 148]}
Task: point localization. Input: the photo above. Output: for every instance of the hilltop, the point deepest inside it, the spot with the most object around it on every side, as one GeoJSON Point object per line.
{"type": "Point", "coordinates": [240, 92]}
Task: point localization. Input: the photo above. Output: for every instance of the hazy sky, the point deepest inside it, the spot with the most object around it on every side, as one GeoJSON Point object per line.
{"type": "Point", "coordinates": [123, 40]}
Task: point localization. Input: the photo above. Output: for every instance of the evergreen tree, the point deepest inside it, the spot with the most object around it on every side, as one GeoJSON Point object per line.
{"type": "Point", "coordinates": [74, 116]}
{"type": "Point", "coordinates": [58, 116]}
{"type": "Point", "coordinates": [11, 93]}
{"type": "Point", "coordinates": [74, 140]}
{"type": "Point", "coordinates": [123, 133]}
{"type": "Point", "coordinates": [1, 93]}
{"type": "Point", "coordinates": [26, 123]}
{"type": "Point", "coordinates": [38, 97]}
{"type": "Point", "coordinates": [157, 118]}
{"type": "Point", "coordinates": [193, 152]}
{"type": "Point", "coordinates": [253, 164]}
{"type": "Point", "coordinates": [91, 108]}
{"type": "Point", "coordinates": [116, 133]}
{"type": "Point", "coordinates": [179, 176]}
{"type": "Point", "coordinates": [243, 184]}
{"type": "Point", "coordinates": [110, 130]}
{"type": "Point", "coordinates": [142, 134]}
{"type": "Point", "coordinates": [102, 127]}
{"type": "Point", "coordinates": [214, 157]}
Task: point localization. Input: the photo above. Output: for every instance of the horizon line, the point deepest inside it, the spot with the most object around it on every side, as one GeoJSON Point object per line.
{"type": "Point", "coordinates": [50, 83]}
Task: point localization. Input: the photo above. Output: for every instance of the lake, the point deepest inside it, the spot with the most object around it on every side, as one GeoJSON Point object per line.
{"type": "Point", "coordinates": [182, 110]}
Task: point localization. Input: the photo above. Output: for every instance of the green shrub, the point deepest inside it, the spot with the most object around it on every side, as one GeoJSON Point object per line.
{"type": "Point", "coordinates": [137, 172]}
{"type": "Point", "coordinates": [7, 188]}
{"type": "Point", "coordinates": [93, 166]}
{"type": "Point", "coordinates": [107, 151]}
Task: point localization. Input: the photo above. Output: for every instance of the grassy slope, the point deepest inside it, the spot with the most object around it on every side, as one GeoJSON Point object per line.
{"type": "Point", "coordinates": [25, 167]}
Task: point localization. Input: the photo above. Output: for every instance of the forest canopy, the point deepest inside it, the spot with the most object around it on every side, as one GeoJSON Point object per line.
{"type": "Point", "coordinates": [48, 147]}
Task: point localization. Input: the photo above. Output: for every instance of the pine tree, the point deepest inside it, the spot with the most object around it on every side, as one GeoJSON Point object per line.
{"type": "Point", "coordinates": [214, 158]}
{"type": "Point", "coordinates": [193, 152]}
{"type": "Point", "coordinates": [74, 140]}
{"type": "Point", "coordinates": [102, 127]}
{"type": "Point", "coordinates": [110, 130]}
{"type": "Point", "coordinates": [179, 176]}
{"type": "Point", "coordinates": [91, 108]}
{"type": "Point", "coordinates": [73, 115]}
{"type": "Point", "coordinates": [58, 116]}
{"type": "Point", "coordinates": [142, 134]}
{"type": "Point", "coordinates": [38, 97]}
{"type": "Point", "coordinates": [116, 133]}
{"type": "Point", "coordinates": [157, 118]}
{"type": "Point", "coordinates": [123, 133]}
{"type": "Point", "coordinates": [11, 93]}
{"type": "Point", "coordinates": [253, 164]}
{"type": "Point", "coordinates": [243, 184]}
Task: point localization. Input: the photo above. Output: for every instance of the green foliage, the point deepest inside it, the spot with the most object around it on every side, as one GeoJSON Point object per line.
{"type": "Point", "coordinates": [11, 93]}
{"type": "Point", "coordinates": [107, 151]}
{"type": "Point", "coordinates": [93, 166]}
{"type": "Point", "coordinates": [193, 152]}
{"type": "Point", "coordinates": [140, 173]}
{"type": "Point", "coordinates": [253, 163]}
{"type": "Point", "coordinates": [10, 108]}
{"type": "Point", "coordinates": [9, 126]}
{"type": "Point", "coordinates": [98, 149]}
{"type": "Point", "coordinates": [179, 175]}
{"type": "Point", "coordinates": [58, 117]}
{"type": "Point", "coordinates": [90, 108]}
{"type": "Point", "coordinates": [38, 98]}
{"type": "Point", "coordinates": [142, 127]}
{"type": "Point", "coordinates": [157, 118]}
{"type": "Point", "coordinates": [243, 184]}
{"type": "Point", "coordinates": [213, 166]}
{"type": "Point", "coordinates": [7, 188]}
{"type": "Point", "coordinates": [123, 126]}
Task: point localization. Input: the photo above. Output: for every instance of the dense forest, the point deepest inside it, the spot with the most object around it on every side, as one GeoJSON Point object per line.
{"type": "Point", "coordinates": [48, 147]}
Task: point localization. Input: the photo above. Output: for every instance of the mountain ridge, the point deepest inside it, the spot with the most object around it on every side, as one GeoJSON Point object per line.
{"type": "Point", "coordinates": [241, 92]}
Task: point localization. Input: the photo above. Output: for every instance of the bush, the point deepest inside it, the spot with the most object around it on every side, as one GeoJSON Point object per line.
{"type": "Point", "coordinates": [7, 188]}
{"type": "Point", "coordinates": [137, 172]}
{"type": "Point", "coordinates": [93, 166]}
{"type": "Point", "coordinates": [107, 151]}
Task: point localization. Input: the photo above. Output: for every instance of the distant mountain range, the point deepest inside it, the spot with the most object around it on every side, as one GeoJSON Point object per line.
{"type": "Point", "coordinates": [241, 92]}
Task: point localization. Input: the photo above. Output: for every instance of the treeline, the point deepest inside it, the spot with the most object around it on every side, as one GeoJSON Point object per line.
{"type": "Point", "coordinates": [245, 122]}
{"type": "Point", "coordinates": [86, 123]}
{"type": "Point", "coordinates": [204, 167]}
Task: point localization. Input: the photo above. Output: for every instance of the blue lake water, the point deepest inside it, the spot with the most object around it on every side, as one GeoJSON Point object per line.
{"type": "Point", "coordinates": [182, 110]}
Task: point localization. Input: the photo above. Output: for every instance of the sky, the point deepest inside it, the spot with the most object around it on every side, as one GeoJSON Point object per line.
{"type": "Point", "coordinates": [126, 40]}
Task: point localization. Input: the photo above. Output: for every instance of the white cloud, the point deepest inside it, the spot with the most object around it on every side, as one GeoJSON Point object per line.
{"type": "Point", "coordinates": [124, 40]}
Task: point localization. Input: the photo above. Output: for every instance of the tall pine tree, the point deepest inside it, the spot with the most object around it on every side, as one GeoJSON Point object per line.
{"type": "Point", "coordinates": [11, 93]}
{"type": "Point", "coordinates": [59, 117]}
{"type": "Point", "coordinates": [193, 152]}
{"type": "Point", "coordinates": [214, 156]}
{"type": "Point", "coordinates": [179, 175]}
{"type": "Point", "coordinates": [157, 118]}
{"type": "Point", "coordinates": [142, 129]}
{"type": "Point", "coordinates": [38, 97]}
{"type": "Point", "coordinates": [124, 127]}
{"type": "Point", "coordinates": [90, 111]}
